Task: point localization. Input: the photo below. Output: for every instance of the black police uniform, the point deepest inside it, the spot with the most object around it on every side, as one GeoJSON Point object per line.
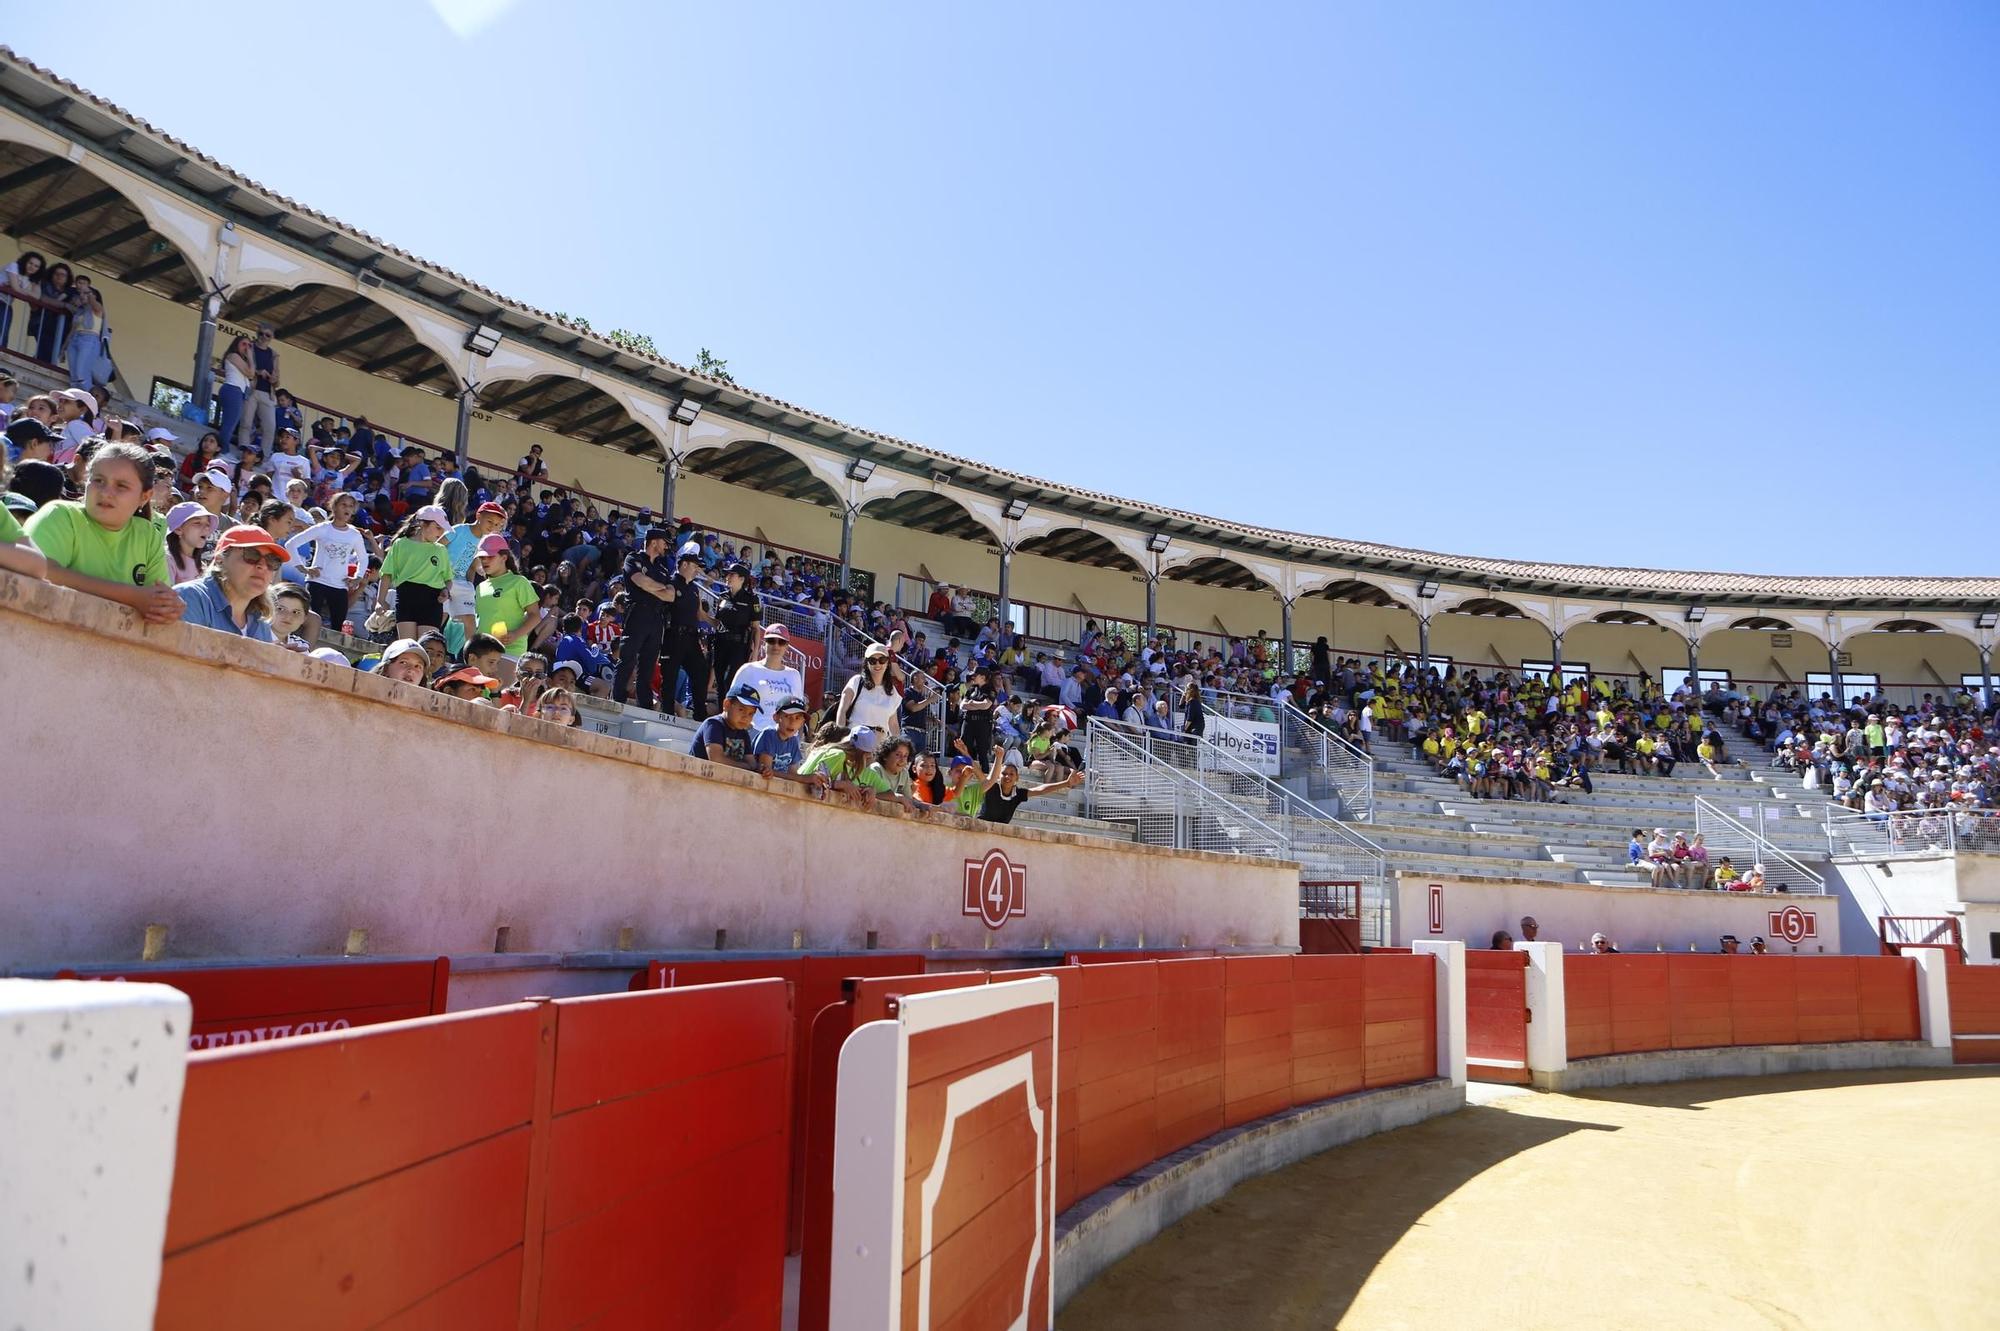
{"type": "Point", "coordinates": [684, 653]}
{"type": "Point", "coordinates": [645, 627]}
{"type": "Point", "coordinates": [733, 617]}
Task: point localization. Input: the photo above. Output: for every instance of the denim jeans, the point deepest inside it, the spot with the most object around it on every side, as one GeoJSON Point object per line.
{"type": "Point", "coordinates": [86, 353]}
{"type": "Point", "coordinates": [232, 411]}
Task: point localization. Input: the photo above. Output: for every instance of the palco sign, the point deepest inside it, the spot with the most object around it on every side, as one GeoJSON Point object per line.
{"type": "Point", "coordinates": [996, 889]}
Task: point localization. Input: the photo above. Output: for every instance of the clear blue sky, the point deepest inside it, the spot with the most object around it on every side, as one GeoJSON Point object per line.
{"type": "Point", "coordinates": [1691, 286]}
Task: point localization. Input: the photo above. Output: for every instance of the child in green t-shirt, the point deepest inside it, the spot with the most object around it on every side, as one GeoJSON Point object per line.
{"type": "Point", "coordinates": [102, 545]}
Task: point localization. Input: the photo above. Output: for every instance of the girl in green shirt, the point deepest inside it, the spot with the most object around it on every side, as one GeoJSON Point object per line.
{"type": "Point", "coordinates": [508, 605]}
{"type": "Point", "coordinates": [101, 545]}
{"type": "Point", "coordinates": [17, 553]}
{"type": "Point", "coordinates": [419, 567]}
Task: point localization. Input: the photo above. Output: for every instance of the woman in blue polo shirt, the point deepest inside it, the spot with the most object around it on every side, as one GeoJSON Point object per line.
{"type": "Point", "coordinates": [234, 595]}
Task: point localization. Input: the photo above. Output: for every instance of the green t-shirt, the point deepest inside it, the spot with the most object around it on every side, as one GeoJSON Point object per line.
{"type": "Point", "coordinates": [67, 535]}
{"type": "Point", "coordinates": [424, 562]}
{"type": "Point", "coordinates": [830, 762]}
{"type": "Point", "coordinates": [873, 778]}
{"type": "Point", "coordinates": [10, 527]}
{"type": "Point", "coordinates": [970, 799]}
{"type": "Point", "coordinates": [507, 599]}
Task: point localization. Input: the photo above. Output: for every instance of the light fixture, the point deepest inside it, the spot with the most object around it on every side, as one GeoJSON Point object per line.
{"type": "Point", "coordinates": [483, 340]}
{"type": "Point", "coordinates": [1697, 613]}
{"type": "Point", "coordinates": [1158, 542]}
{"type": "Point", "coordinates": [1016, 510]}
{"type": "Point", "coordinates": [686, 410]}
{"type": "Point", "coordinates": [1988, 619]}
{"type": "Point", "coordinates": [1427, 589]}
{"type": "Point", "coordinates": [860, 469]}
{"type": "Point", "coordinates": [368, 277]}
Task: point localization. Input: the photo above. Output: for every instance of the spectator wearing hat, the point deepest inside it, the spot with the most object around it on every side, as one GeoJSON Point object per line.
{"type": "Point", "coordinates": [1729, 945]}
{"type": "Point", "coordinates": [234, 595]}
{"type": "Point", "coordinates": [29, 439]}
{"type": "Point", "coordinates": [871, 697]}
{"type": "Point", "coordinates": [286, 463]}
{"type": "Point", "coordinates": [507, 605]}
{"type": "Point", "coordinates": [976, 704]}
{"type": "Point", "coordinates": [17, 553]}
{"type": "Point", "coordinates": [467, 683]}
{"type": "Point", "coordinates": [100, 544]}
{"type": "Point", "coordinates": [75, 409]}
{"type": "Point", "coordinates": [685, 663]}
{"type": "Point", "coordinates": [188, 528]}
{"type": "Point", "coordinates": [1758, 947]}
{"type": "Point", "coordinates": [405, 660]}
{"type": "Point", "coordinates": [727, 737]}
{"type": "Point", "coordinates": [418, 570]}
{"type": "Point", "coordinates": [779, 748]}
{"type": "Point", "coordinates": [214, 488]}
{"type": "Point", "coordinates": [841, 759]}
{"type": "Point", "coordinates": [771, 677]}
{"type": "Point", "coordinates": [736, 616]}
{"type": "Point", "coordinates": [649, 577]}
{"type": "Point", "coordinates": [339, 559]}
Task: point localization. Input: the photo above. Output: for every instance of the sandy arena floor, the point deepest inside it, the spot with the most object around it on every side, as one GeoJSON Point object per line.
{"type": "Point", "coordinates": [1867, 1200]}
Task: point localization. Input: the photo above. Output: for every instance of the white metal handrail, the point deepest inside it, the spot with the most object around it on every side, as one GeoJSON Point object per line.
{"type": "Point", "coordinates": [1907, 832]}
{"type": "Point", "coordinates": [1720, 832]}
{"type": "Point", "coordinates": [1131, 781]}
{"type": "Point", "coordinates": [1331, 762]}
{"type": "Point", "coordinates": [837, 633]}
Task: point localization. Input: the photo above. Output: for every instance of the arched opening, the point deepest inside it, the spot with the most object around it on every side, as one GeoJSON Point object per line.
{"type": "Point", "coordinates": [339, 326]}
{"type": "Point", "coordinates": [931, 511]}
{"type": "Point", "coordinates": [1354, 592]}
{"type": "Point", "coordinates": [765, 468]}
{"type": "Point", "coordinates": [1488, 607]}
{"type": "Point", "coordinates": [1907, 626]}
{"type": "Point", "coordinates": [56, 208]}
{"type": "Point", "coordinates": [1215, 571]}
{"type": "Point", "coordinates": [1762, 622]}
{"type": "Point", "coordinates": [1074, 545]}
{"type": "Point", "coordinates": [568, 407]}
{"type": "Point", "coordinates": [1625, 617]}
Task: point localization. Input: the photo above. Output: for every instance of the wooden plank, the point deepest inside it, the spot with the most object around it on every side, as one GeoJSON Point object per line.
{"type": "Point", "coordinates": [1587, 1000]}
{"type": "Point", "coordinates": [268, 1127]}
{"type": "Point", "coordinates": [1399, 1038]}
{"type": "Point", "coordinates": [1888, 993]}
{"type": "Point", "coordinates": [488, 1296]}
{"type": "Point", "coordinates": [1827, 994]}
{"type": "Point", "coordinates": [1698, 1001]}
{"type": "Point", "coordinates": [1327, 1052]}
{"type": "Point", "coordinates": [615, 1045]}
{"type": "Point", "coordinates": [1640, 1012]}
{"type": "Point", "coordinates": [1763, 1007]}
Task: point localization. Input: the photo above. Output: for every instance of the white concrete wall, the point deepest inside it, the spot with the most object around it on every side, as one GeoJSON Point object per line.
{"type": "Point", "coordinates": [183, 776]}
{"type": "Point", "coordinates": [90, 1100]}
{"type": "Point", "coordinates": [1637, 919]}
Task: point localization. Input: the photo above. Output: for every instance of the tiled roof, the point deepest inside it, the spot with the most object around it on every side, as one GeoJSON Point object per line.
{"type": "Point", "coordinates": [1639, 581]}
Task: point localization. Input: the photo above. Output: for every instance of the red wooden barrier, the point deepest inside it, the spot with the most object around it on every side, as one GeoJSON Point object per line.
{"type": "Point", "coordinates": [244, 1004]}
{"type": "Point", "coordinates": [1975, 1012]}
{"type": "Point", "coordinates": [1496, 1015]}
{"type": "Point", "coordinates": [1634, 1004]}
{"type": "Point", "coordinates": [603, 1160]}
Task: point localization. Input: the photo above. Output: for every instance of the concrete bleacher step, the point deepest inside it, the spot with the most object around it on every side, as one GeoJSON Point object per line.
{"type": "Point", "coordinates": [1063, 822]}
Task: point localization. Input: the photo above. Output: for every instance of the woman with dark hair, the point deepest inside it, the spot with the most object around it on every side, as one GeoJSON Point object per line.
{"type": "Point", "coordinates": [58, 287]}
{"type": "Point", "coordinates": [1322, 661]}
{"type": "Point", "coordinates": [206, 450]}
{"type": "Point", "coordinates": [235, 390]}
{"type": "Point", "coordinates": [23, 277]}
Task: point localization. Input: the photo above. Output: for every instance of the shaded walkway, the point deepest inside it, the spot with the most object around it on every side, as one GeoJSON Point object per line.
{"type": "Point", "coordinates": [1819, 1200]}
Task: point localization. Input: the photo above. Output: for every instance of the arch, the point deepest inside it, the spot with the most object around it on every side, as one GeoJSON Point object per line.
{"type": "Point", "coordinates": [570, 406]}
{"type": "Point", "coordinates": [762, 466]}
{"type": "Point", "coordinates": [342, 326]}
{"type": "Point", "coordinates": [924, 507]}
{"type": "Point", "coordinates": [1763, 622]}
{"type": "Point", "coordinates": [1625, 617]}
{"type": "Point", "coordinates": [1355, 591]}
{"type": "Point", "coordinates": [1489, 607]}
{"type": "Point", "coordinates": [1218, 571]}
{"type": "Point", "coordinates": [72, 215]}
{"type": "Point", "coordinates": [1079, 545]}
{"type": "Point", "coordinates": [1906, 626]}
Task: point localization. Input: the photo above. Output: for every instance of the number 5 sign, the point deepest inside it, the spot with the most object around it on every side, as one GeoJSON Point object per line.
{"type": "Point", "coordinates": [944, 1163]}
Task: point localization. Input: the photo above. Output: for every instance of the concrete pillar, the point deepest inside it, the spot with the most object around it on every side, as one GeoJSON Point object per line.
{"type": "Point", "coordinates": [90, 1103]}
{"type": "Point", "coordinates": [1006, 567]}
{"type": "Point", "coordinates": [1450, 958]}
{"type": "Point", "coordinates": [1833, 669]}
{"type": "Point", "coordinates": [848, 513]}
{"type": "Point", "coordinates": [1933, 996]}
{"type": "Point", "coordinates": [1153, 600]}
{"type": "Point", "coordinates": [669, 473]}
{"type": "Point", "coordinates": [1285, 638]}
{"type": "Point", "coordinates": [461, 439]}
{"type": "Point", "coordinates": [1694, 664]}
{"type": "Point", "coordinates": [1423, 643]}
{"type": "Point", "coordinates": [204, 358]}
{"type": "Point", "coordinates": [1556, 654]}
{"type": "Point", "coordinates": [1548, 1014]}
{"type": "Point", "coordinates": [1985, 678]}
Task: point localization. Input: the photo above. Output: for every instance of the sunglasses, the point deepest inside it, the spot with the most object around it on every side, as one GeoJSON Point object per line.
{"type": "Point", "coordinates": [260, 559]}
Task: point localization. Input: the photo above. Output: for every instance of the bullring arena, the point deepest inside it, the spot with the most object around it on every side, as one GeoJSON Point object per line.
{"type": "Point", "coordinates": [1348, 961]}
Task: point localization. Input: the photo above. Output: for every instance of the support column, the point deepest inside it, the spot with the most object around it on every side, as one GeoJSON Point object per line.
{"type": "Point", "coordinates": [848, 513]}
{"type": "Point", "coordinates": [1285, 638]}
{"type": "Point", "coordinates": [1153, 600]}
{"type": "Point", "coordinates": [1694, 665]}
{"type": "Point", "coordinates": [1985, 677]}
{"type": "Point", "coordinates": [1006, 568]}
{"type": "Point", "coordinates": [1556, 656]}
{"type": "Point", "coordinates": [1833, 669]}
{"type": "Point", "coordinates": [1423, 644]}
{"type": "Point", "coordinates": [670, 472]}
{"type": "Point", "coordinates": [203, 379]}
{"type": "Point", "coordinates": [461, 440]}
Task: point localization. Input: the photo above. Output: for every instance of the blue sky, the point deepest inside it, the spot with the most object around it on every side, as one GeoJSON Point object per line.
{"type": "Point", "coordinates": [1700, 286]}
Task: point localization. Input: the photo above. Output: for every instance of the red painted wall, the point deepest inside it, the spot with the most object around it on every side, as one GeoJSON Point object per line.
{"type": "Point", "coordinates": [1975, 1010]}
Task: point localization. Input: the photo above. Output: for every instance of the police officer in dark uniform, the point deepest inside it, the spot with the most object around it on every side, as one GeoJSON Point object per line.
{"type": "Point", "coordinates": [684, 641]}
{"type": "Point", "coordinates": [735, 616]}
{"type": "Point", "coordinates": [649, 574]}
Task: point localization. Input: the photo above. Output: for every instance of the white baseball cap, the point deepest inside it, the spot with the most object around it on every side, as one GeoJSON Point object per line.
{"type": "Point", "coordinates": [217, 477]}
{"type": "Point", "coordinates": [159, 436]}
{"type": "Point", "coordinates": [433, 513]}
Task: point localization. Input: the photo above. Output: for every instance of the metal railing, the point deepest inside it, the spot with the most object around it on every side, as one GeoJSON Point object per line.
{"type": "Point", "coordinates": [1897, 835]}
{"type": "Point", "coordinates": [1330, 766]}
{"type": "Point", "coordinates": [1725, 835]}
{"type": "Point", "coordinates": [845, 645]}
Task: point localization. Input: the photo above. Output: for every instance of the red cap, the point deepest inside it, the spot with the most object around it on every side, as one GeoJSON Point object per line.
{"type": "Point", "coordinates": [776, 633]}
{"type": "Point", "coordinates": [490, 507]}
{"type": "Point", "coordinates": [247, 537]}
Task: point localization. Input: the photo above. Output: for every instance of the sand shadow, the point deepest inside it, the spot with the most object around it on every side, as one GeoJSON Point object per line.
{"type": "Point", "coordinates": [1293, 1249]}
{"type": "Point", "coordinates": [1693, 1095]}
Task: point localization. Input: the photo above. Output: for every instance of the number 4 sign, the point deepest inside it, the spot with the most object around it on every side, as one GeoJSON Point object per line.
{"type": "Point", "coordinates": [995, 888]}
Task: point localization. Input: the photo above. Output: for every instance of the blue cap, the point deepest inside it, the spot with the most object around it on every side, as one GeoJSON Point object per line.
{"type": "Point", "coordinates": [746, 693]}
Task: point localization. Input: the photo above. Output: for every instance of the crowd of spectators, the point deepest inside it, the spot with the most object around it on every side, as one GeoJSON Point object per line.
{"type": "Point", "coordinates": [52, 312]}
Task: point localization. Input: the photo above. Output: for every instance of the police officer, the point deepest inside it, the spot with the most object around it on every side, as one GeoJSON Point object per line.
{"type": "Point", "coordinates": [649, 575]}
{"type": "Point", "coordinates": [735, 616]}
{"type": "Point", "coordinates": [684, 619]}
